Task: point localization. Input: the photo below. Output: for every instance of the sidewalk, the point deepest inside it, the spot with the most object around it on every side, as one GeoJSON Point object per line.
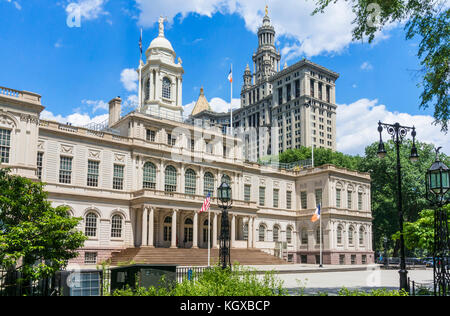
{"type": "Point", "coordinates": [312, 268]}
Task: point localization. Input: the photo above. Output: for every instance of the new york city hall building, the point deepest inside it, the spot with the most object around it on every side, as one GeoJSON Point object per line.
{"type": "Point", "coordinates": [140, 182]}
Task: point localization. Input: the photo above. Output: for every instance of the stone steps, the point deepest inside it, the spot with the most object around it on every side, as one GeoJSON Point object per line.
{"type": "Point", "coordinates": [190, 257]}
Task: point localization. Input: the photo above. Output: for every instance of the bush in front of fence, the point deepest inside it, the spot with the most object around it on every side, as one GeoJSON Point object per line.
{"type": "Point", "coordinates": [238, 281]}
{"type": "Point", "coordinates": [376, 292]}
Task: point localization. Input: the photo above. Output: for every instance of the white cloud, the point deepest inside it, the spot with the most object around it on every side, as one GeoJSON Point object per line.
{"type": "Point", "coordinates": [96, 105]}
{"type": "Point", "coordinates": [357, 125]}
{"type": "Point", "coordinates": [330, 32]}
{"type": "Point", "coordinates": [89, 9]}
{"type": "Point", "coordinates": [129, 77]}
{"type": "Point", "coordinates": [76, 119]}
{"type": "Point", "coordinates": [366, 66]}
{"type": "Point", "coordinates": [16, 4]}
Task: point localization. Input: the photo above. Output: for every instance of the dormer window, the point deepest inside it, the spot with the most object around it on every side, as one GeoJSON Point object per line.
{"type": "Point", "coordinates": [166, 88]}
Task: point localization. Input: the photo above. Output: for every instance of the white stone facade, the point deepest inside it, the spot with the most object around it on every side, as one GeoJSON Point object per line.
{"type": "Point", "coordinates": [105, 179]}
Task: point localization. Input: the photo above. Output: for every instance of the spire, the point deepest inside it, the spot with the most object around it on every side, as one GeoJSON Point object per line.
{"type": "Point", "coordinates": [202, 104]}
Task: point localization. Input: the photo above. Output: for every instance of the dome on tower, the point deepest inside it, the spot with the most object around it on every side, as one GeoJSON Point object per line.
{"type": "Point", "coordinates": [161, 42]}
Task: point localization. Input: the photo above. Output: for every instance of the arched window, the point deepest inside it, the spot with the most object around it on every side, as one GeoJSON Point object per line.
{"type": "Point", "coordinates": [166, 89]}
{"type": "Point", "coordinates": [149, 181]}
{"type": "Point", "coordinates": [91, 225]}
{"type": "Point", "coordinates": [190, 182]}
{"type": "Point", "coordinates": [226, 179]}
{"type": "Point", "coordinates": [289, 235]}
{"type": "Point", "coordinates": [339, 235]}
{"type": "Point", "coordinates": [171, 179]}
{"type": "Point", "coordinates": [208, 187]}
{"type": "Point", "coordinates": [168, 228]}
{"type": "Point", "coordinates": [361, 236]}
{"type": "Point", "coordinates": [116, 226]}
{"type": "Point", "coordinates": [276, 232]}
{"type": "Point", "coordinates": [262, 233]}
{"type": "Point", "coordinates": [147, 89]}
{"type": "Point", "coordinates": [351, 232]}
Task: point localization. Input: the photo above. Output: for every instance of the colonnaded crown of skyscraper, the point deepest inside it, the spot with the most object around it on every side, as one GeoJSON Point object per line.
{"type": "Point", "coordinates": [139, 183]}
{"type": "Point", "coordinates": [281, 108]}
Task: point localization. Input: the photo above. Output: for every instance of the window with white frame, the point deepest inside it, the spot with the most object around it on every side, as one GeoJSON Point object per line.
{"type": "Point", "coordinates": [166, 88]}
{"type": "Point", "coordinates": [361, 236]}
{"type": "Point", "coordinates": [5, 145]}
{"type": "Point", "coordinates": [338, 197]}
{"type": "Point", "coordinates": [276, 195]}
{"type": "Point", "coordinates": [247, 192]}
{"type": "Point", "coordinates": [93, 172]}
{"type": "Point", "coordinates": [170, 179]}
{"type": "Point", "coordinates": [262, 233]}
{"type": "Point", "coordinates": [288, 200]}
{"type": "Point", "coordinates": [116, 226]}
{"type": "Point", "coordinates": [304, 237]}
{"type": "Point", "coordinates": [65, 170]}
{"type": "Point", "coordinates": [351, 232]}
{"type": "Point", "coordinates": [208, 184]}
{"type": "Point", "coordinates": [118, 177]}
{"type": "Point", "coordinates": [39, 163]}
{"type": "Point", "coordinates": [349, 199]}
{"type": "Point", "coordinates": [190, 182]}
{"type": "Point", "coordinates": [90, 258]}
{"type": "Point", "coordinates": [339, 235]}
{"type": "Point", "coordinates": [276, 233]}
{"type": "Point", "coordinates": [304, 200]}
{"type": "Point", "coordinates": [151, 136]}
{"type": "Point", "coordinates": [360, 201]}
{"type": "Point", "coordinates": [318, 196]}
{"type": "Point", "coordinates": [90, 227]}
{"type": "Point", "coordinates": [262, 196]}
{"type": "Point", "coordinates": [149, 176]}
{"type": "Point", "coordinates": [289, 235]}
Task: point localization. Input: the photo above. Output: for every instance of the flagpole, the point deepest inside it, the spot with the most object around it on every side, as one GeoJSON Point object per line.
{"type": "Point", "coordinates": [231, 102]}
{"type": "Point", "coordinates": [321, 241]}
{"type": "Point", "coordinates": [140, 75]}
{"type": "Point", "coordinates": [209, 238]}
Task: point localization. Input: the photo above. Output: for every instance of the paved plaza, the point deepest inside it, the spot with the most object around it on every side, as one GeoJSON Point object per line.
{"type": "Point", "coordinates": [333, 278]}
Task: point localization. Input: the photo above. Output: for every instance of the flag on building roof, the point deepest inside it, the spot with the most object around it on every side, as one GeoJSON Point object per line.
{"type": "Point", "coordinates": [206, 204]}
{"type": "Point", "coordinates": [316, 215]}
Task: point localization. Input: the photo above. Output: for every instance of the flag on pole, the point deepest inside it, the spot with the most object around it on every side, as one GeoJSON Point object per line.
{"type": "Point", "coordinates": [206, 204]}
{"type": "Point", "coordinates": [140, 42]}
{"type": "Point", "coordinates": [230, 76]}
{"type": "Point", "coordinates": [316, 215]}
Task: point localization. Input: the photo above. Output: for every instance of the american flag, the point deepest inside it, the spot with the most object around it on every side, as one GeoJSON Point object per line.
{"type": "Point", "coordinates": [206, 204]}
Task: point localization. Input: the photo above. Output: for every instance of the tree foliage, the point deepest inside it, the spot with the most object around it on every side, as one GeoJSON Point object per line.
{"type": "Point", "coordinates": [427, 19]}
{"type": "Point", "coordinates": [35, 238]}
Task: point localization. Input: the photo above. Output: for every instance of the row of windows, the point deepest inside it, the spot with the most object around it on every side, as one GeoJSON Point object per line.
{"type": "Point", "coordinates": [318, 199]}
{"type": "Point", "coordinates": [275, 233]}
{"type": "Point", "coordinates": [262, 196]}
{"type": "Point", "coordinates": [339, 236]}
{"type": "Point", "coordinates": [91, 225]}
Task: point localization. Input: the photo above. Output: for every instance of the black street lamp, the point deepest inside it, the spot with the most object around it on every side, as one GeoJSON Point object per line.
{"type": "Point", "coordinates": [398, 133]}
{"type": "Point", "coordinates": [437, 189]}
{"type": "Point", "coordinates": [224, 196]}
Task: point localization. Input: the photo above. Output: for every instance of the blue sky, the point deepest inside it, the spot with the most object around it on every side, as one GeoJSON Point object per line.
{"type": "Point", "coordinates": [78, 70]}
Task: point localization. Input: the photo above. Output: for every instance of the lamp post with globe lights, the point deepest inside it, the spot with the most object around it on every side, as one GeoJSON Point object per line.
{"type": "Point", "coordinates": [398, 133]}
{"type": "Point", "coordinates": [224, 197]}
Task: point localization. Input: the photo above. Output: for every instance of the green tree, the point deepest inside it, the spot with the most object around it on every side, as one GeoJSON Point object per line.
{"type": "Point", "coordinates": [35, 238]}
{"type": "Point", "coordinates": [426, 19]}
{"type": "Point", "coordinates": [384, 185]}
{"type": "Point", "coordinates": [322, 156]}
{"type": "Point", "coordinates": [419, 235]}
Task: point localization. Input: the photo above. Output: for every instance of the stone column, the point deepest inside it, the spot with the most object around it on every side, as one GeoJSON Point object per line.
{"type": "Point", "coordinates": [174, 230]}
{"type": "Point", "coordinates": [151, 224]}
{"type": "Point", "coordinates": [195, 233]}
{"type": "Point", "coordinates": [233, 230]}
{"type": "Point", "coordinates": [144, 241]}
{"type": "Point", "coordinates": [214, 232]}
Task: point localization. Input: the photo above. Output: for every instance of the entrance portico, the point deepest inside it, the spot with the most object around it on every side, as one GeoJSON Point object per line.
{"type": "Point", "coordinates": [178, 228]}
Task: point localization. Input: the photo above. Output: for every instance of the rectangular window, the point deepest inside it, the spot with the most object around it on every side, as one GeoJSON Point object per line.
{"type": "Point", "coordinates": [65, 170]}
{"type": "Point", "coordinates": [364, 259]}
{"type": "Point", "coordinates": [280, 96]}
{"type": "Point", "coordinates": [247, 192]}
{"type": "Point", "coordinates": [338, 197]}
{"type": "Point", "coordinates": [171, 141]}
{"type": "Point", "coordinates": [288, 92]}
{"type": "Point", "coordinates": [318, 196]}
{"type": "Point", "coordinates": [5, 145]}
{"type": "Point", "coordinates": [341, 259]}
{"type": "Point", "coordinates": [297, 88]}
{"type": "Point", "coordinates": [90, 258]}
{"type": "Point", "coordinates": [353, 259]}
{"type": "Point", "coordinates": [262, 196]}
{"type": "Point", "coordinates": [320, 91]}
{"type": "Point", "coordinates": [93, 172]}
{"type": "Point", "coordinates": [312, 88]}
{"type": "Point", "coordinates": [276, 196]}
{"type": "Point", "coordinates": [39, 163]}
{"type": "Point", "coordinates": [349, 200]}
{"type": "Point", "coordinates": [288, 200]}
{"type": "Point", "coordinates": [304, 200]}
{"type": "Point", "coordinates": [328, 94]}
{"type": "Point", "coordinates": [118, 177]}
{"type": "Point", "coordinates": [151, 135]}
{"type": "Point", "coordinates": [360, 201]}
